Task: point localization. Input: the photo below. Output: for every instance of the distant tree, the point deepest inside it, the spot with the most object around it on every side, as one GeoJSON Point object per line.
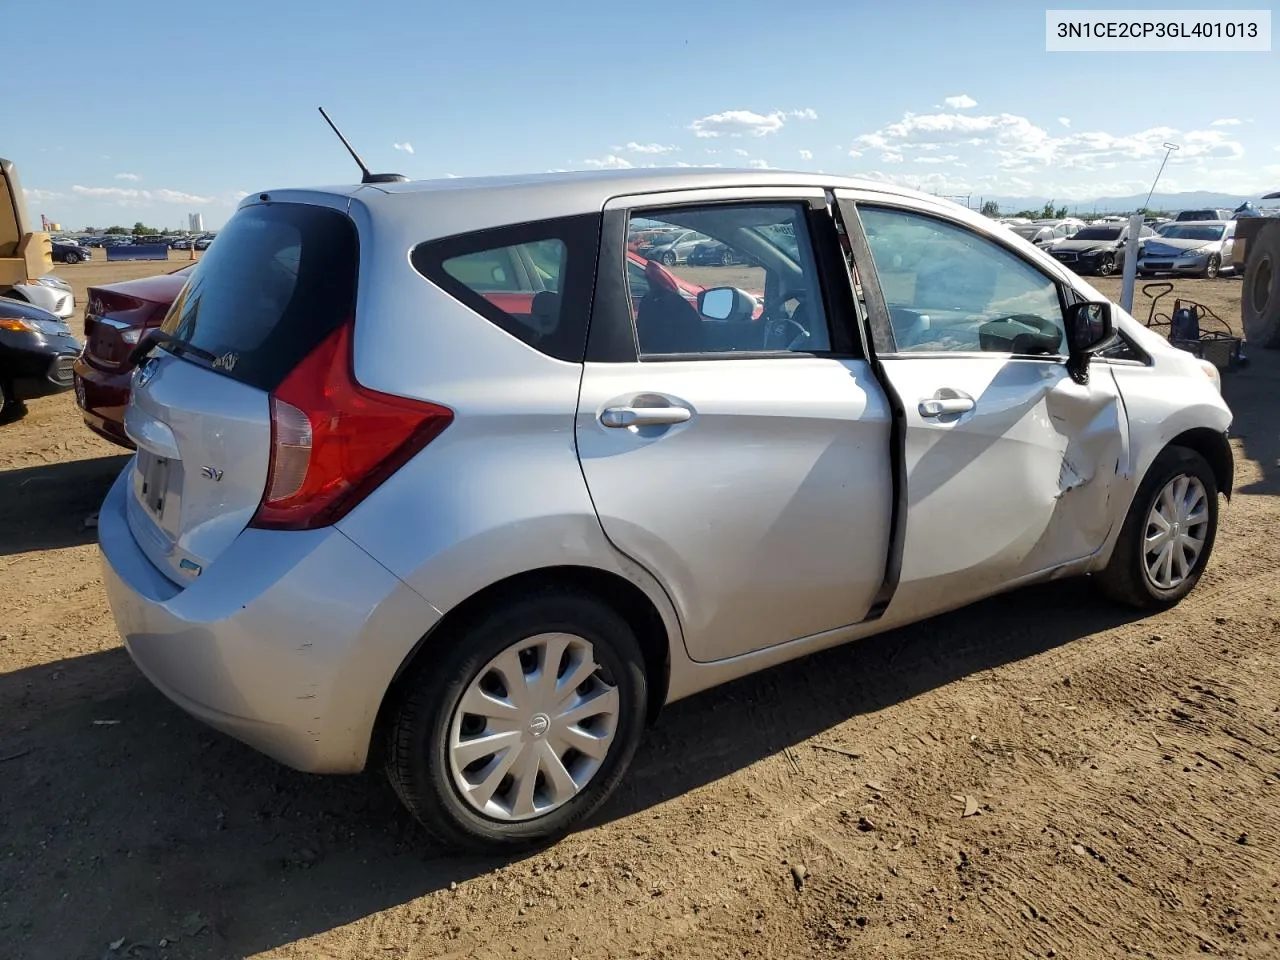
{"type": "Point", "coordinates": [1047, 212]}
{"type": "Point", "coordinates": [140, 229]}
{"type": "Point", "coordinates": [991, 209]}
{"type": "Point", "coordinates": [1028, 214]}
{"type": "Point", "coordinates": [1061, 212]}
{"type": "Point", "coordinates": [117, 229]}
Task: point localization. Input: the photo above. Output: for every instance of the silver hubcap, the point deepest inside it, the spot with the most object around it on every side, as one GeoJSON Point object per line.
{"type": "Point", "coordinates": [1175, 534]}
{"type": "Point", "coordinates": [532, 728]}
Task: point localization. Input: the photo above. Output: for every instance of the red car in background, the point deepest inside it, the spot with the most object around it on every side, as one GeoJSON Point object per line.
{"type": "Point", "coordinates": [115, 316]}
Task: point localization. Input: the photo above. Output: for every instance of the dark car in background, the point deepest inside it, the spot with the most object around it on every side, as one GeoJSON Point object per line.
{"type": "Point", "coordinates": [64, 252]}
{"type": "Point", "coordinates": [713, 253]}
{"type": "Point", "coordinates": [37, 350]}
{"type": "Point", "coordinates": [115, 317]}
{"type": "Point", "coordinates": [1097, 249]}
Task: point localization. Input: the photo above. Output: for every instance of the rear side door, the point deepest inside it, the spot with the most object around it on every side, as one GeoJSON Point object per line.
{"type": "Point", "coordinates": [747, 466]}
{"type": "Point", "coordinates": [1009, 462]}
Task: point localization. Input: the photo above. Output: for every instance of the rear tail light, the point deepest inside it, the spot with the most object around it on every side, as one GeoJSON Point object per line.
{"type": "Point", "coordinates": [333, 441]}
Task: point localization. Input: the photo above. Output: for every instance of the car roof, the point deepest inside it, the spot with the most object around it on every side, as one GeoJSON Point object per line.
{"type": "Point", "coordinates": [1199, 223]}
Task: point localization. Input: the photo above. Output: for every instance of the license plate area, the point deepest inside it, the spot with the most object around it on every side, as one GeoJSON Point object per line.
{"type": "Point", "coordinates": [157, 485]}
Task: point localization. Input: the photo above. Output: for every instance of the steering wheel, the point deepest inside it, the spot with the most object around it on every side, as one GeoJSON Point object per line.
{"type": "Point", "coordinates": [776, 328]}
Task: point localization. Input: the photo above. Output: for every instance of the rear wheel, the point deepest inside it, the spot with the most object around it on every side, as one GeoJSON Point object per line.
{"type": "Point", "coordinates": [669, 258]}
{"type": "Point", "coordinates": [1167, 535]}
{"type": "Point", "coordinates": [522, 724]}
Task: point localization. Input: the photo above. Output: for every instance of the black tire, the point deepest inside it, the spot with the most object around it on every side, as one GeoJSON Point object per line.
{"type": "Point", "coordinates": [1212, 267]}
{"type": "Point", "coordinates": [73, 257]}
{"type": "Point", "coordinates": [1125, 577]}
{"type": "Point", "coordinates": [417, 746]}
{"type": "Point", "coordinates": [669, 258]}
{"type": "Point", "coordinates": [1107, 265]}
{"type": "Point", "coordinates": [726, 259]}
{"type": "Point", "coordinates": [1260, 296]}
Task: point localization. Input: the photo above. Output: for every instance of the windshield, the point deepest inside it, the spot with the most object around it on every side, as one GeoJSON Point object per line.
{"type": "Point", "coordinates": [1098, 233]}
{"type": "Point", "coordinates": [1185, 231]}
{"type": "Point", "coordinates": [1027, 231]}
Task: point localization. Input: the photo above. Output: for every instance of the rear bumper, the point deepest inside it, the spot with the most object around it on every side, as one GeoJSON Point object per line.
{"type": "Point", "coordinates": [102, 397]}
{"type": "Point", "coordinates": [287, 642]}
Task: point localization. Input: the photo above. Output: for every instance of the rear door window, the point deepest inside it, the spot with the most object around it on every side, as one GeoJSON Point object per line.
{"type": "Point", "coordinates": [281, 278]}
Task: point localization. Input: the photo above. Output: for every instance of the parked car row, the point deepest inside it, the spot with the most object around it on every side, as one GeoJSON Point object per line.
{"type": "Point", "coordinates": [37, 350]}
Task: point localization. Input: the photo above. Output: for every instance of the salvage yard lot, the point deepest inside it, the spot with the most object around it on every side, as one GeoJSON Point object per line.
{"type": "Point", "coordinates": [1122, 775]}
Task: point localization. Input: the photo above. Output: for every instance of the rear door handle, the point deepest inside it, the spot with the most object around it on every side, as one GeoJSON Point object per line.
{"type": "Point", "coordinates": [643, 416]}
{"type": "Point", "coordinates": [945, 406]}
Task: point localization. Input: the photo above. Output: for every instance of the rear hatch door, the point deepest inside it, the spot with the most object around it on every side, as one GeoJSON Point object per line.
{"type": "Point", "coordinates": [281, 279]}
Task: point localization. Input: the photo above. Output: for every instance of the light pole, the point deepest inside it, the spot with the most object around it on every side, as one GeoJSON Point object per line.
{"type": "Point", "coordinates": [1168, 149]}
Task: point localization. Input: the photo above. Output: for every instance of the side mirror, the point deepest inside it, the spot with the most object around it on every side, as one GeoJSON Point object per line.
{"type": "Point", "coordinates": [726, 303]}
{"type": "Point", "coordinates": [1089, 328]}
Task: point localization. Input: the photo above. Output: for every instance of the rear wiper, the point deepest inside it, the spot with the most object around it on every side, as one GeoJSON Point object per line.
{"type": "Point", "coordinates": [175, 345]}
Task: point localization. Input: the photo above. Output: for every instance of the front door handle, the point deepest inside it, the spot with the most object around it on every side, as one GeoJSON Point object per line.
{"type": "Point", "coordinates": [945, 406]}
{"type": "Point", "coordinates": [643, 416]}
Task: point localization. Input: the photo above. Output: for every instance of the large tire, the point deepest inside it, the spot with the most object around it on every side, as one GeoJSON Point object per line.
{"type": "Point", "coordinates": [1212, 267]}
{"type": "Point", "coordinates": [429, 723]}
{"type": "Point", "coordinates": [1107, 265]}
{"type": "Point", "coordinates": [1127, 577]}
{"type": "Point", "coordinates": [1260, 296]}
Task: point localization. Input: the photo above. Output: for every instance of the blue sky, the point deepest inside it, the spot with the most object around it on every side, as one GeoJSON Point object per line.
{"type": "Point", "coordinates": [153, 110]}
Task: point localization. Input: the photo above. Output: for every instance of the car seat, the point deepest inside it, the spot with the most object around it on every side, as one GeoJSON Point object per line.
{"type": "Point", "coordinates": [665, 321]}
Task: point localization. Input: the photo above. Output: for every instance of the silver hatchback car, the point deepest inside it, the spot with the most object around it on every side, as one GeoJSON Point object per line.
{"type": "Point", "coordinates": [447, 477]}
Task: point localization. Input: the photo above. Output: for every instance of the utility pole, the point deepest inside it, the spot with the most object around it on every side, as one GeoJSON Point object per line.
{"type": "Point", "coordinates": [1168, 149]}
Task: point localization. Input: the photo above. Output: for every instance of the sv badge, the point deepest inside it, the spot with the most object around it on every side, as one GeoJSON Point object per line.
{"type": "Point", "coordinates": [211, 473]}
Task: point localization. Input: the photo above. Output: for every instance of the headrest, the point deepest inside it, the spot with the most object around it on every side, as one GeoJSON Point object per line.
{"type": "Point", "coordinates": [545, 310]}
{"type": "Point", "coordinates": [658, 276]}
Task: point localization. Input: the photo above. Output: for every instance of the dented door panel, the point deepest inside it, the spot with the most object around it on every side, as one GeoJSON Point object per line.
{"type": "Point", "coordinates": [1019, 483]}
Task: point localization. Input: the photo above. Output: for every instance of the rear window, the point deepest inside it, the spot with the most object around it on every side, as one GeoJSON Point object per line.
{"type": "Point", "coordinates": [533, 280]}
{"type": "Point", "coordinates": [280, 279]}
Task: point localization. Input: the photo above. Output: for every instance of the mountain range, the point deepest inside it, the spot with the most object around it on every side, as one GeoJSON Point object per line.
{"type": "Point", "coordinates": [1170, 202]}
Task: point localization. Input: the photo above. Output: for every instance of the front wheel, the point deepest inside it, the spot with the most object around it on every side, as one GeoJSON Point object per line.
{"type": "Point", "coordinates": [73, 258]}
{"type": "Point", "coordinates": [1107, 265]}
{"type": "Point", "coordinates": [520, 723]}
{"type": "Point", "coordinates": [1168, 533]}
{"type": "Point", "coordinates": [1213, 267]}
{"type": "Point", "coordinates": [669, 259]}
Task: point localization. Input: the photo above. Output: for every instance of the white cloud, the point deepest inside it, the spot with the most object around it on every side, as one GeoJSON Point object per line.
{"type": "Point", "coordinates": [855, 153]}
{"type": "Point", "coordinates": [41, 196]}
{"type": "Point", "coordinates": [806, 154]}
{"type": "Point", "coordinates": [1226, 122]}
{"type": "Point", "coordinates": [633, 147]}
{"type": "Point", "coordinates": [681, 163]}
{"type": "Point", "coordinates": [740, 152]}
{"type": "Point", "coordinates": [611, 162]}
{"type": "Point", "coordinates": [127, 196]}
{"type": "Point", "coordinates": [406, 147]}
{"type": "Point", "coordinates": [961, 102]}
{"type": "Point", "coordinates": [890, 156]}
{"type": "Point", "coordinates": [127, 176]}
{"type": "Point", "coordinates": [808, 113]}
{"type": "Point", "coordinates": [1018, 145]}
{"type": "Point", "coordinates": [1065, 121]}
{"type": "Point", "coordinates": [948, 158]}
{"type": "Point", "coordinates": [738, 123]}
{"type": "Point", "coordinates": [759, 164]}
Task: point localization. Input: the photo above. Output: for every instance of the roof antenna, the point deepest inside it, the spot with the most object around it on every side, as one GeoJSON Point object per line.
{"type": "Point", "coordinates": [366, 177]}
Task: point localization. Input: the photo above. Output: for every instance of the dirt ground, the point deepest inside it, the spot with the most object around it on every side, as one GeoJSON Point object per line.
{"type": "Point", "coordinates": [1122, 776]}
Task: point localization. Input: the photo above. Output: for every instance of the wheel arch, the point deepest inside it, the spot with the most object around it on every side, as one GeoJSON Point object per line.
{"type": "Point", "coordinates": [624, 596]}
{"type": "Point", "coordinates": [1216, 449]}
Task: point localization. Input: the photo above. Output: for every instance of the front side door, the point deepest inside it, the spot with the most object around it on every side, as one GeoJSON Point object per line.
{"type": "Point", "coordinates": [1009, 463]}
{"type": "Point", "coordinates": [742, 458]}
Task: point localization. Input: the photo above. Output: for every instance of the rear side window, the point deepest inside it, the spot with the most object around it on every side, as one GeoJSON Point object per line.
{"type": "Point", "coordinates": [533, 280]}
{"type": "Point", "coordinates": [280, 279]}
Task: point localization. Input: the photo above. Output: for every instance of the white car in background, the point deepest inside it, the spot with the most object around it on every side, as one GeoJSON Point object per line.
{"type": "Point", "coordinates": [48, 292]}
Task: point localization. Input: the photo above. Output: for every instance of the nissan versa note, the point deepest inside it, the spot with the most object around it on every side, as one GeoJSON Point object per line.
{"type": "Point", "coordinates": [421, 480]}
